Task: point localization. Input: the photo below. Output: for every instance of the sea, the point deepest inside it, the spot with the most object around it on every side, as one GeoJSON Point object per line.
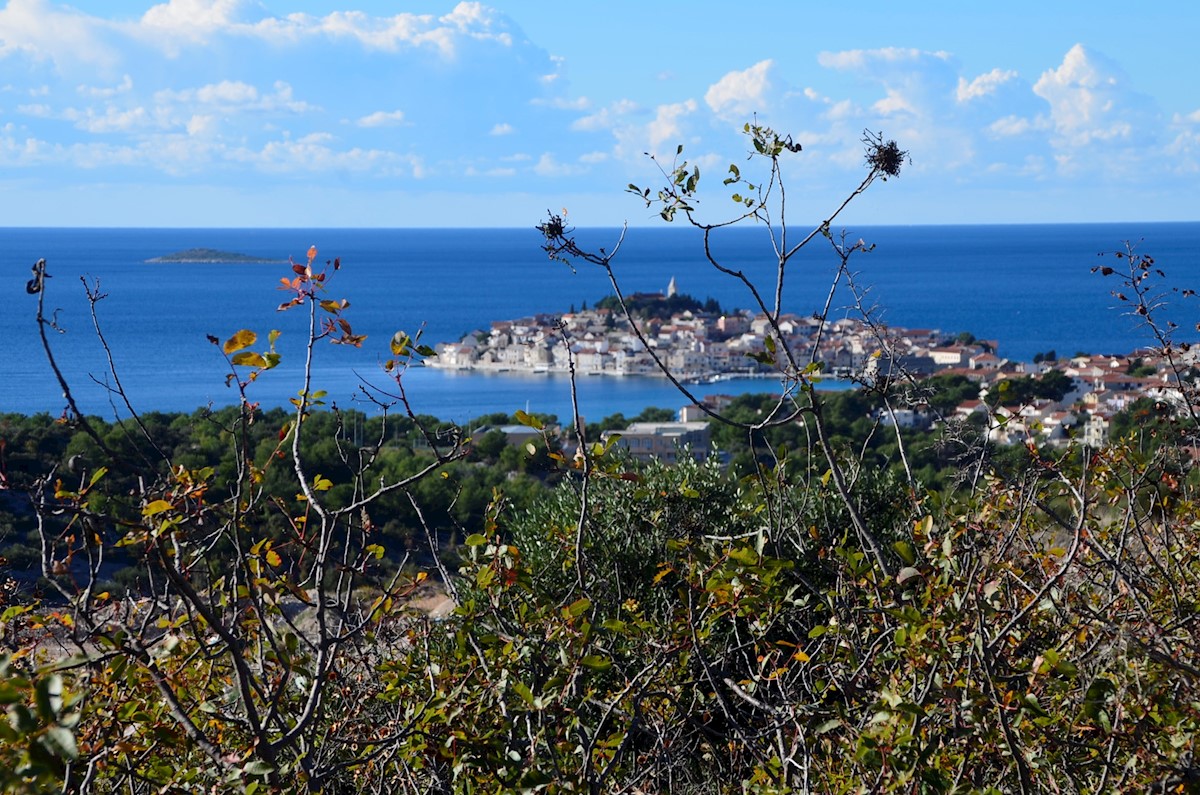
{"type": "Point", "coordinates": [1031, 288]}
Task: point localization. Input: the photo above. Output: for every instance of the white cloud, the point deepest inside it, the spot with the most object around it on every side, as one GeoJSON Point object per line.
{"type": "Point", "coordinates": [983, 85]}
{"type": "Point", "coordinates": [227, 92]}
{"type": "Point", "coordinates": [201, 125]}
{"type": "Point", "coordinates": [549, 166]}
{"type": "Point", "coordinates": [894, 103]}
{"type": "Point", "coordinates": [858, 60]}
{"type": "Point", "coordinates": [917, 84]}
{"type": "Point", "coordinates": [1011, 126]}
{"type": "Point", "coordinates": [60, 35]}
{"type": "Point", "coordinates": [471, 171]}
{"type": "Point", "coordinates": [381, 118]}
{"type": "Point", "coordinates": [606, 118]}
{"type": "Point", "coordinates": [104, 92]}
{"type": "Point", "coordinates": [502, 129]}
{"type": "Point", "coordinates": [667, 127]}
{"type": "Point", "coordinates": [112, 120]}
{"type": "Point", "coordinates": [841, 111]}
{"type": "Point", "coordinates": [231, 95]}
{"type": "Point", "coordinates": [192, 18]}
{"type": "Point", "coordinates": [38, 110]}
{"type": "Point", "coordinates": [1090, 101]}
{"type": "Point", "coordinates": [447, 35]}
{"type": "Point", "coordinates": [563, 103]}
{"type": "Point", "coordinates": [739, 94]}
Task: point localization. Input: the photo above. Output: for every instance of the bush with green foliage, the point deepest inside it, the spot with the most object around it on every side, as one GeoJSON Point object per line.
{"type": "Point", "coordinates": [817, 621]}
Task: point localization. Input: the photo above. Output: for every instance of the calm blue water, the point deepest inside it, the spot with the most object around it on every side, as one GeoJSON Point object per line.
{"type": "Point", "coordinates": [1030, 287]}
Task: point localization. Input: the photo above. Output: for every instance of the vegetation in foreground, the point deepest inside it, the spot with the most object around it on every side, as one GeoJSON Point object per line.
{"type": "Point", "coordinates": [821, 623]}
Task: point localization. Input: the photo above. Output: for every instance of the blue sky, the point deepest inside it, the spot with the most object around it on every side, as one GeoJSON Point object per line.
{"type": "Point", "coordinates": [358, 113]}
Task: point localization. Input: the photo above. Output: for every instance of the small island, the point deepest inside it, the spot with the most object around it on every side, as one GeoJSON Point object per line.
{"type": "Point", "coordinates": [212, 255]}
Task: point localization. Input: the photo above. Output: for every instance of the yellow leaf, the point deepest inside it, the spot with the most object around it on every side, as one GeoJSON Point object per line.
{"type": "Point", "coordinates": [273, 558]}
{"type": "Point", "coordinates": [156, 507]}
{"type": "Point", "coordinates": [242, 339]}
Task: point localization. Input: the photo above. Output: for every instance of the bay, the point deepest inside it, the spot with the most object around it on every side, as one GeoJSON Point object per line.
{"type": "Point", "coordinates": [1029, 287]}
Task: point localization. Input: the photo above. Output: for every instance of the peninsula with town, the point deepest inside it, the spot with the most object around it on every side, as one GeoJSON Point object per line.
{"type": "Point", "coordinates": [701, 342]}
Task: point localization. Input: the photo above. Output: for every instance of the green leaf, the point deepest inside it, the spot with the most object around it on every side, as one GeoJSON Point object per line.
{"type": "Point", "coordinates": [596, 662]}
{"type": "Point", "coordinates": [99, 473]}
{"type": "Point", "coordinates": [818, 631]}
{"type": "Point", "coordinates": [744, 555]}
{"type": "Point", "coordinates": [257, 767]}
{"type": "Point", "coordinates": [249, 359]}
{"type": "Point", "coordinates": [243, 339]}
{"type": "Point", "coordinates": [9, 694]}
{"type": "Point", "coordinates": [827, 726]}
{"type": "Point", "coordinates": [522, 690]}
{"type": "Point", "coordinates": [475, 540]}
{"type": "Point", "coordinates": [49, 697]}
{"type": "Point", "coordinates": [60, 742]}
{"type": "Point", "coordinates": [905, 551]}
{"type": "Point", "coordinates": [578, 607]}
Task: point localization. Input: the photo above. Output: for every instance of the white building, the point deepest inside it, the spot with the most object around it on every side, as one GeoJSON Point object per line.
{"type": "Point", "coordinates": [665, 441]}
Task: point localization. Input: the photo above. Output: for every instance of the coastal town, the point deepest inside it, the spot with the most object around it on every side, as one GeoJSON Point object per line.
{"type": "Point", "coordinates": [702, 343]}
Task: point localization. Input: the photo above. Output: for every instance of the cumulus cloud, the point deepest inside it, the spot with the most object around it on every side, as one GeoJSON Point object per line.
{"type": "Point", "coordinates": [111, 120]}
{"type": "Point", "coordinates": [58, 35]}
{"type": "Point", "coordinates": [984, 85]}
{"type": "Point", "coordinates": [916, 83]}
{"type": "Point", "coordinates": [236, 95]}
{"type": "Point", "coordinates": [607, 117]}
{"type": "Point", "coordinates": [107, 119]}
{"type": "Point", "coordinates": [382, 118]}
{"type": "Point", "coordinates": [192, 18]}
{"type": "Point", "coordinates": [1010, 126]}
{"type": "Point", "coordinates": [448, 35]}
{"type": "Point", "coordinates": [667, 126]}
{"type": "Point", "coordinates": [1090, 100]}
{"type": "Point", "coordinates": [739, 94]}
{"type": "Point", "coordinates": [549, 166]}
{"type": "Point", "coordinates": [502, 128]}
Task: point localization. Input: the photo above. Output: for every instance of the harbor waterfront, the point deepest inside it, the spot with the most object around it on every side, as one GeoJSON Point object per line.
{"type": "Point", "coordinates": [1029, 288]}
